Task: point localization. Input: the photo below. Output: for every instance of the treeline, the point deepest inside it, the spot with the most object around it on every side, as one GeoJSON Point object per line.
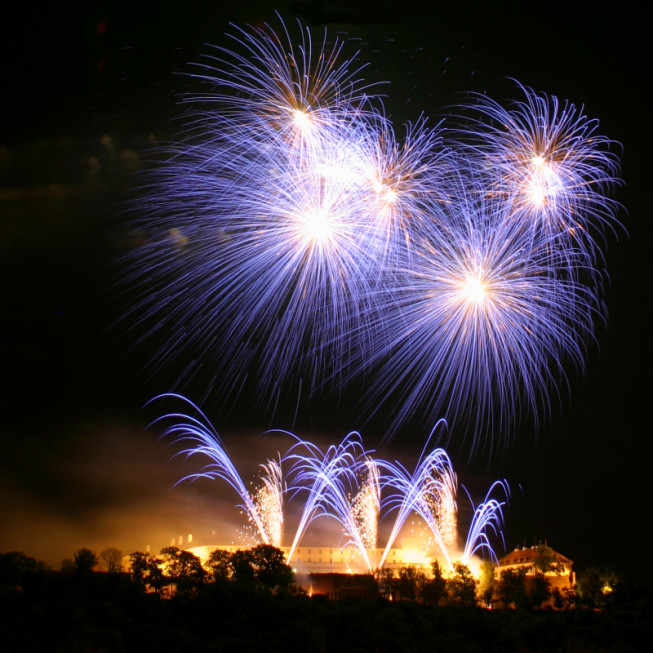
{"type": "Point", "coordinates": [181, 572]}
{"type": "Point", "coordinates": [174, 571]}
{"type": "Point", "coordinates": [178, 572]}
{"type": "Point", "coordinates": [525, 588]}
{"type": "Point", "coordinates": [246, 601]}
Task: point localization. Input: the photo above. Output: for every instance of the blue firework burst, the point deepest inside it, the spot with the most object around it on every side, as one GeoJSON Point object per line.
{"type": "Point", "coordinates": [292, 235]}
{"type": "Point", "coordinates": [483, 324]}
{"type": "Point", "coordinates": [549, 162]}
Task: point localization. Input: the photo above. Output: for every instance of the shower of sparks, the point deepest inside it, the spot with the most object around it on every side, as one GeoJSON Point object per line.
{"type": "Point", "coordinates": [268, 500]}
{"type": "Point", "coordinates": [202, 441]}
{"type": "Point", "coordinates": [453, 273]}
{"type": "Point", "coordinates": [345, 483]}
{"type": "Point", "coordinates": [487, 523]}
{"type": "Point", "coordinates": [326, 479]}
{"type": "Point", "coordinates": [366, 506]}
{"type": "Point", "coordinates": [419, 493]}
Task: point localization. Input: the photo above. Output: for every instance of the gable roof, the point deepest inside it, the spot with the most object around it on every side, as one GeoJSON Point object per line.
{"type": "Point", "coordinates": [528, 555]}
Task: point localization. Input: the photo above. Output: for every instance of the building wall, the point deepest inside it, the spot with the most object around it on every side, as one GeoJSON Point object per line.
{"type": "Point", "coordinates": [341, 560]}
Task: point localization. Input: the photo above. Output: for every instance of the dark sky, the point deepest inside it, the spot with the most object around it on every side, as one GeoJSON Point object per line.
{"type": "Point", "coordinates": [86, 87]}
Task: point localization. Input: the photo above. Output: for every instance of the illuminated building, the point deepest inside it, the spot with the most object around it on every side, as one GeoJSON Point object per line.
{"type": "Point", "coordinates": [313, 559]}
{"type": "Point", "coordinates": [558, 568]}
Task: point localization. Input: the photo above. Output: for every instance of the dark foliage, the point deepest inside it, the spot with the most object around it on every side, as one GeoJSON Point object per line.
{"type": "Point", "coordinates": [112, 612]}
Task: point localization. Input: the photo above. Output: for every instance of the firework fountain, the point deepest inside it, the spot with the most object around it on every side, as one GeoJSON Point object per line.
{"type": "Point", "coordinates": [347, 484]}
{"type": "Point", "coordinates": [268, 500]}
{"type": "Point", "coordinates": [263, 510]}
{"type": "Point", "coordinates": [327, 480]}
{"type": "Point", "coordinates": [457, 272]}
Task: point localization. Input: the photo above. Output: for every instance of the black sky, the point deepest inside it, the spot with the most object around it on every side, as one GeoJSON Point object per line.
{"type": "Point", "coordinates": [86, 86]}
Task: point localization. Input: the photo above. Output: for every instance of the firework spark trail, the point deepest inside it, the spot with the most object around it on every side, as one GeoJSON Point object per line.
{"type": "Point", "coordinates": [359, 515]}
{"type": "Point", "coordinates": [205, 442]}
{"type": "Point", "coordinates": [482, 326]}
{"type": "Point", "coordinates": [488, 518]}
{"type": "Point", "coordinates": [327, 479]}
{"type": "Point", "coordinates": [433, 479]}
{"type": "Point", "coordinates": [546, 159]}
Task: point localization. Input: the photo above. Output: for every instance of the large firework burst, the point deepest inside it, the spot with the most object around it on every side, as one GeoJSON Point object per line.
{"type": "Point", "coordinates": [293, 237]}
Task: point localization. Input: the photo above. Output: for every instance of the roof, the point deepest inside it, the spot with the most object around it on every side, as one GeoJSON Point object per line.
{"type": "Point", "coordinates": [528, 555]}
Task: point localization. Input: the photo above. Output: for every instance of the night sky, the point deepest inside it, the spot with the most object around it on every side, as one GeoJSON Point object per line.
{"type": "Point", "coordinates": [86, 92]}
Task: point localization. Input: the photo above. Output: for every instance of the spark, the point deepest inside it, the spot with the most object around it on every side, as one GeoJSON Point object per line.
{"type": "Point", "coordinates": [327, 478]}
{"type": "Point", "coordinates": [481, 326]}
{"type": "Point", "coordinates": [293, 238]}
{"type": "Point", "coordinates": [345, 483]}
{"type": "Point", "coordinates": [366, 507]}
{"type": "Point", "coordinates": [548, 161]}
{"type": "Point", "coordinates": [203, 441]}
{"type": "Point", "coordinates": [269, 501]}
{"type": "Point", "coordinates": [487, 521]}
{"type": "Point", "coordinates": [432, 482]}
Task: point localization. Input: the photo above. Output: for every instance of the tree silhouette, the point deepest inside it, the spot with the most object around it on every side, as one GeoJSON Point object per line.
{"type": "Point", "coordinates": [461, 587]}
{"type": "Point", "coordinates": [111, 558]}
{"type": "Point", "coordinates": [545, 560]}
{"type": "Point", "coordinates": [596, 587]}
{"type": "Point", "coordinates": [219, 565]}
{"type": "Point", "coordinates": [242, 568]}
{"type": "Point", "coordinates": [146, 571]}
{"type": "Point", "coordinates": [84, 560]}
{"type": "Point", "coordinates": [434, 589]}
{"type": "Point", "coordinates": [183, 569]}
{"type": "Point", "coordinates": [270, 568]}
{"type": "Point", "coordinates": [385, 582]}
{"type": "Point", "coordinates": [512, 588]}
{"type": "Point", "coordinates": [539, 590]}
{"type": "Point", "coordinates": [15, 567]}
{"type": "Point", "coordinates": [263, 565]}
{"type": "Point", "coordinates": [408, 582]}
{"type": "Point", "coordinates": [487, 583]}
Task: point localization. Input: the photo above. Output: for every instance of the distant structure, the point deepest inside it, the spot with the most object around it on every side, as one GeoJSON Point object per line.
{"type": "Point", "coordinates": [541, 558]}
{"type": "Point", "coordinates": [321, 559]}
{"type": "Point", "coordinates": [340, 587]}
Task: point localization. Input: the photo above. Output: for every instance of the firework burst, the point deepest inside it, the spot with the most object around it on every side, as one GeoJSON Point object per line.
{"type": "Point", "coordinates": [291, 85]}
{"type": "Point", "coordinates": [482, 325]}
{"type": "Point", "coordinates": [546, 159]}
{"type": "Point", "coordinates": [293, 239]}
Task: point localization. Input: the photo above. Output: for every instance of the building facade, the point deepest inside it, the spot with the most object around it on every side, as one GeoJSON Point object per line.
{"type": "Point", "coordinates": [557, 569]}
